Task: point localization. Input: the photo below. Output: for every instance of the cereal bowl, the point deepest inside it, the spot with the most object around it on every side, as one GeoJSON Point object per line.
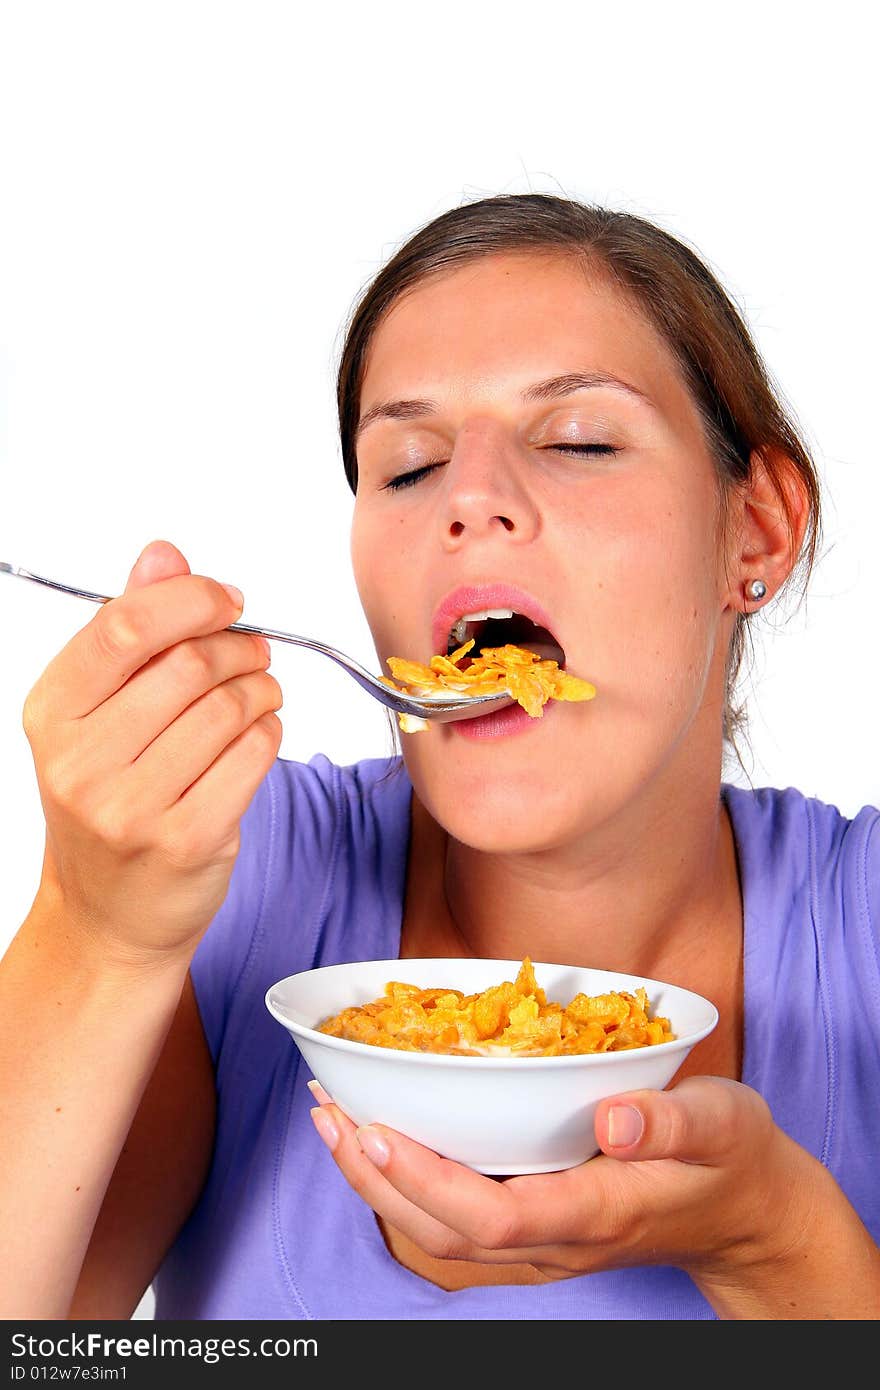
{"type": "Point", "coordinates": [500, 1115]}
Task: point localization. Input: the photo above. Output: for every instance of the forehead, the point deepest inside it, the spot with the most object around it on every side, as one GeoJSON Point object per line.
{"type": "Point", "coordinates": [503, 320]}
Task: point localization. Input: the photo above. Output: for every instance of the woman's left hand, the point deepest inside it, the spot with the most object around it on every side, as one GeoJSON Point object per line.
{"type": "Point", "coordinates": [698, 1176]}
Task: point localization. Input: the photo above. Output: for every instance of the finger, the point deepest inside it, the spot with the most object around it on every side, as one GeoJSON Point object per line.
{"type": "Point", "coordinates": [513, 1219]}
{"type": "Point", "coordinates": [127, 631]}
{"type": "Point", "coordinates": [701, 1120]}
{"type": "Point", "coordinates": [553, 1199]}
{"type": "Point", "coordinates": [151, 700]}
{"type": "Point", "coordinates": [339, 1134]}
{"type": "Point", "coordinates": [158, 560]}
{"type": "Point", "coordinates": [321, 1096]}
{"type": "Point", "coordinates": [216, 802]}
{"type": "Point", "coordinates": [189, 746]}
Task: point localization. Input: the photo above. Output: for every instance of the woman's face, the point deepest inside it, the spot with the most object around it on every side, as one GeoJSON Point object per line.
{"type": "Point", "coordinates": [620, 549]}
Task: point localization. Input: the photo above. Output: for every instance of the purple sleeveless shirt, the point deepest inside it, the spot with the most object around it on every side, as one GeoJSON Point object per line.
{"type": "Point", "coordinates": [319, 879]}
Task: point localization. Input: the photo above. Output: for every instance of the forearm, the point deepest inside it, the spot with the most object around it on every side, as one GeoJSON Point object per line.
{"type": "Point", "coordinates": [821, 1264]}
{"type": "Point", "coordinates": [79, 1039]}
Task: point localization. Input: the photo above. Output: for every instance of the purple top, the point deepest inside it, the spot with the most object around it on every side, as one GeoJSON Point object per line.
{"type": "Point", "coordinates": [278, 1233]}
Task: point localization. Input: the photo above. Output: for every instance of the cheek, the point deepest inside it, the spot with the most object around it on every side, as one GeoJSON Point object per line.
{"type": "Point", "coordinates": [648, 635]}
{"type": "Point", "coordinates": [385, 578]}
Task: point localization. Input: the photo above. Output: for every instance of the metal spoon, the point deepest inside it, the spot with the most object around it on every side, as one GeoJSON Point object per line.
{"type": "Point", "coordinates": [443, 710]}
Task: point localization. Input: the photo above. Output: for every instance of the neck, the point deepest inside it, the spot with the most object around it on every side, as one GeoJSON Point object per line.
{"type": "Point", "coordinates": [653, 890]}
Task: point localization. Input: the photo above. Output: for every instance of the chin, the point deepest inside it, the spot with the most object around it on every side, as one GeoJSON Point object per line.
{"type": "Point", "coordinates": [518, 811]}
{"type": "Point", "coordinates": [528, 799]}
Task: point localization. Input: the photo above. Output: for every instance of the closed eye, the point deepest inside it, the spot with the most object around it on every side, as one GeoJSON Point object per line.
{"type": "Point", "coordinates": [416, 474]}
{"type": "Point", "coordinates": [583, 448]}
{"type": "Point", "coordinates": [407, 479]}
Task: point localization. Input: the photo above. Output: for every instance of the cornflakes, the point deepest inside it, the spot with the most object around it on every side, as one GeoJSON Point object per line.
{"type": "Point", "coordinates": [512, 1019]}
{"type": "Point", "coordinates": [531, 680]}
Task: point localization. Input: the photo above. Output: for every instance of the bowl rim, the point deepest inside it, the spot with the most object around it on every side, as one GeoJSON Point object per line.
{"type": "Point", "coordinates": [681, 1043]}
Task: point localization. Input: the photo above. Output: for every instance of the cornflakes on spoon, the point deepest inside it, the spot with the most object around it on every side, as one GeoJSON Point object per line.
{"type": "Point", "coordinates": [531, 680]}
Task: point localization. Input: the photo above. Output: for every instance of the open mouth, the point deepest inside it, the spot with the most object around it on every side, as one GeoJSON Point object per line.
{"type": "Point", "coordinates": [493, 630]}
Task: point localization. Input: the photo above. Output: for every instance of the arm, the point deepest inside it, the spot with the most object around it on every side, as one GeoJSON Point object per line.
{"type": "Point", "coordinates": [705, 1181]}
{"type": "Point", "coordinates": [818, 1261]}
{"type": "Point", "coordinates": [79, 1040]}
{"type": "Point", "coordinates": [151, 732]}
{"type": "Point", "coordinates": [159, 1174]}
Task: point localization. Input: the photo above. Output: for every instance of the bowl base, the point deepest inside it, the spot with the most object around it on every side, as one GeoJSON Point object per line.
{"type": "Point", "coordinates": [497, 1170]}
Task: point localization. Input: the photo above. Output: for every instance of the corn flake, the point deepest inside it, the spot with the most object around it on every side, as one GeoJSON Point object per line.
{"type": "Point", "coordinates": [531, 680]}
{"type": "Point", "coordinates": [512, 1019]}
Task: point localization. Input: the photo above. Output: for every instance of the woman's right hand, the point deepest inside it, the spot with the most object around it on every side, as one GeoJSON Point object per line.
{"type": "Point", "coordinates": [151, 731]}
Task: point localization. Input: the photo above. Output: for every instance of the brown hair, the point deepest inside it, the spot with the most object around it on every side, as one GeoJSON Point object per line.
{"type": "Point", "coordinates": [740, 408]}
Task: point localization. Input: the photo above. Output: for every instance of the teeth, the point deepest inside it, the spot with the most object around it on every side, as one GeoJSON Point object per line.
{"type": "Point", "coordinates": [459, 631]}
{"type": "Point", "coordinates": [488, 613]}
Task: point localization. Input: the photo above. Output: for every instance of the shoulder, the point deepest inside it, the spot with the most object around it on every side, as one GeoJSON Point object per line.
{"type": "Point", "coordinates": [785, 810]}
{"type": "Point", "coordinates": [810, 879]}
{"type": "Point", "coordinates": [313, 798]}
{"type": "Point", "coordinates": [811, 884]}
{"type": "Point", "coordinates": [785, 831]}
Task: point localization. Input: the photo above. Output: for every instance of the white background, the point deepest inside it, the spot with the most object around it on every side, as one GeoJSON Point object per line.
{"type": "Point", "coordinates": [191, 197]}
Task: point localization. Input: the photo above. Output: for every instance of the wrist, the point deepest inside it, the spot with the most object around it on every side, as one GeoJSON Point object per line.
{"type": "Point", "coordinates": [82, 946]}
{"type": "Point", "coordinates": [806, 1255]}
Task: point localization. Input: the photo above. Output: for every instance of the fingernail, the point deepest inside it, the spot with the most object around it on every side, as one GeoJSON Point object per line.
{"type": "Point", "coordinates": [267, 650]}
{"type": "Point", "coordinates": [318, 1092]}
{"type": "Point", "coordinates": [325, 1127]}
{"type": "Point", "coordinates": [374, 1146]}
{"type": "Point", "coordinates": [235, 594]}
{"type": "Point", "coordinates": [625, 1126]}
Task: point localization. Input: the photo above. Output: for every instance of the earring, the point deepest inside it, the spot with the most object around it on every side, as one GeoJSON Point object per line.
{"type": "Point", "coordinates": [757, 590]}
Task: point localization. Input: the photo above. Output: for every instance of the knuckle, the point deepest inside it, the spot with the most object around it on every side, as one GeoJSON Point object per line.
{"type": "Point", "coordinates": [63, 779]}
{"type": "Point", "coordinates": [759, 1126]}
{"type": "Point", "coordinates": [229, 703]}
{"type": "Point", "coordinates": [116, 827]}
{"type": "Point", "coordinates": [226, 852]}
{"type": "Point", "coordinates": [268, 730]}
{"type": "Point", "coordinates": [214, 597]}
{"type": "Point", "coordinates": [259, 654]}
{"type": "Point", "coordinates": [444, 1244]}
{"type": "Point", "coordinates": [762, 1109]}
{"type": "Point", "coordinates": [189, 843]}
{"type": "Point", "coordinates": [273, 691]}
{"type": "Point", "coordinates": [32, 713]}
{"type": "Point", "coordinates": [119, 632]}
{"type": "Point", "coordinates": [729, 1113]}
{"type": "Point", "coordinates": [611, 1227]}
{"type": "Point", "coordinates": [496, 1230]}
{"type": "Point", "coordinates": [608, 1211]}
{"type": "Point", "coordinates": [193, 664]}
{"type": "Point", "coordinates": [675, 1129]}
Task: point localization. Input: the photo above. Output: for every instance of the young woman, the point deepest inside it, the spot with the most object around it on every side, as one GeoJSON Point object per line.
{"type": "Point", "coordinates": [556, 409]}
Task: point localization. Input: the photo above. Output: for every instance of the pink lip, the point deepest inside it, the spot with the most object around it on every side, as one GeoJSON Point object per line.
{"type": "Point", "coordinates": [471, 598]}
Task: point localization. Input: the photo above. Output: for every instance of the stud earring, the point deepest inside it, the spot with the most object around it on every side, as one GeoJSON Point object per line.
{"type": "Point", "coordinates": [757, 590]}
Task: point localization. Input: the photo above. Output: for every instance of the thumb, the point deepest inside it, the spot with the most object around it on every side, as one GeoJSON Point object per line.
{"type": "Point", "coordinates": [700, 1120]}
{"type": "Point", "coordinates": [158, 560]}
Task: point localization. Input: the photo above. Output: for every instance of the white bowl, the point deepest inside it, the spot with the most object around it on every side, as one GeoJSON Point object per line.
{"type": "Point", "coordinates": [498, 1115]}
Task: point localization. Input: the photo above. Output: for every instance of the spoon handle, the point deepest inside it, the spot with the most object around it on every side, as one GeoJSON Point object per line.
{"type": "Point", "coordinates": [292, 637]}
{"type": "Point", "coordinates": [6, 568]}
{"type": "Point", "coordinates": [454, 708]}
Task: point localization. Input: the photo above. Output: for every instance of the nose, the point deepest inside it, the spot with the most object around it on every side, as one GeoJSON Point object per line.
{"type": "Point", "coordinates": [484, 491]}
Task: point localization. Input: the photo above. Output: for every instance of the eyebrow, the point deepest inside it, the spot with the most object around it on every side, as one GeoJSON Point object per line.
{"type": "Point", "coordinates": [553, 388]}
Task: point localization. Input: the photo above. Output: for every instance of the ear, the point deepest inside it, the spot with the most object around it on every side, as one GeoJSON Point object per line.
{"type": "Point", "coordinates": [773, 510]}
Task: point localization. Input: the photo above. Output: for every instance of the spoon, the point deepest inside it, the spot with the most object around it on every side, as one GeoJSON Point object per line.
{"type": "Point", "coordinates": [442, 708]}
